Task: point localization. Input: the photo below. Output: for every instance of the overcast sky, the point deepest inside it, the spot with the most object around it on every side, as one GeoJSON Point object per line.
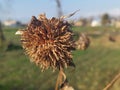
{"type": "Point", "coordinates": [24, 9]}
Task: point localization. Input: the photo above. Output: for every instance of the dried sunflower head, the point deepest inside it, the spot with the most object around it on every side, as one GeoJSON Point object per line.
{"type": "Point", "coordinates": [83, 42]}
{"type": "Point", "coordinates": [48, 42]}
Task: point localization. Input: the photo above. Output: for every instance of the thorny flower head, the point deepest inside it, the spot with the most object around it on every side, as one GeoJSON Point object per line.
{"type": "Point", "coordinates": [48, 42]}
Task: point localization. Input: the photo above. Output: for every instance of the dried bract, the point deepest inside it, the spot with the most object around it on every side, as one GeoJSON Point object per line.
{"type": "Point", "coordinates": [48, 42]}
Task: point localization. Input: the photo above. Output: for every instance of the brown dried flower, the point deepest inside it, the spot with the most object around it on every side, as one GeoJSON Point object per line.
{"type": "Point", "coordinates": [48, 42]}
{"type": "Point", "coordinates": [83, 42]}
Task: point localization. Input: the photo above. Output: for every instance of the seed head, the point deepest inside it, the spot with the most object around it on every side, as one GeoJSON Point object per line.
{"type": "Point", "coordinates": [83, 42]}
{"type": "Point", "coordinates": [48, 42]}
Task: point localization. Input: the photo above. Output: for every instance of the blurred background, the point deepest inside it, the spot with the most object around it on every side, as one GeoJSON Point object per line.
{"type": "Point", "coordinates": [95, 67]}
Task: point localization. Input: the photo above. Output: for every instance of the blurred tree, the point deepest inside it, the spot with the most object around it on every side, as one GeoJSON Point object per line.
{"type": "Point", "coordinates": [105, 19]}
{"type": "Point", "coordinates": [2, 38]}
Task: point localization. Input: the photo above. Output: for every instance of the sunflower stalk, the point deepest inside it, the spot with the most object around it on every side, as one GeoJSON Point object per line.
{"type": "Point", "coordinates": [61, 78]}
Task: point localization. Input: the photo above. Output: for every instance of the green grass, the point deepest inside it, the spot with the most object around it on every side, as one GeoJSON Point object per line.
{"type": "Point", "coordinates": [95, 67]}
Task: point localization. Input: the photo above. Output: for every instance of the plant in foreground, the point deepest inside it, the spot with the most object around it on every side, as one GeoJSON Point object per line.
{"type": "Point", "coordinates": [48, 43]}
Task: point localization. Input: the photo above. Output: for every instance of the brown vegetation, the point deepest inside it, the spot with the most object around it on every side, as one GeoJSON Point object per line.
{"type": "Point", "coordinates": [83, 42]}
{"type": "Point", "coordinates": [48, 43]}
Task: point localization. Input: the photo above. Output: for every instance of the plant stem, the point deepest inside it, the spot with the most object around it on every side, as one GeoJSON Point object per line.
{"type": "Point", "coordinates": [112, 82]}
{"type": "Point", "coordinates": [60, 79]}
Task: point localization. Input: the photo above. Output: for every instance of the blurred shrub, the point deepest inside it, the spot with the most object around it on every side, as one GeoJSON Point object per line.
{"type": "Point", "coordinates": [11, 46]}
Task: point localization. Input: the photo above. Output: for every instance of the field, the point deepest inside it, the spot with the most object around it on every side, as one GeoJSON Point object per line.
{"type": "Point", "coordinates": [95, 67]}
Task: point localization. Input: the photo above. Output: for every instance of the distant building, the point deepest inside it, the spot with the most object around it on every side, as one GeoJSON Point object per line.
{"type": "Point", "coordinates": [96, 22]}
{"type": "Point", "coordinates": [117, 24]}
{"type": "Point", "coordinates": [9, 23]}
{"type": "Point", "coordinates": [12, 23]}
